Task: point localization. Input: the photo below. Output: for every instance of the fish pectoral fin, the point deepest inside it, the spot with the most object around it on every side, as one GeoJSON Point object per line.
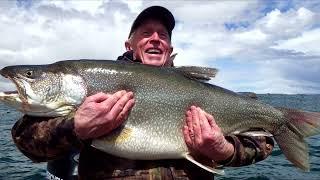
{"type": "Point", "coordinates": [119, 135]}
{"type": "Point", "coordinates": [198, 73]}
{"type": "Point", "coordinates": [71, 114]}
{"type": "Point", "coordinates": [203, 166]}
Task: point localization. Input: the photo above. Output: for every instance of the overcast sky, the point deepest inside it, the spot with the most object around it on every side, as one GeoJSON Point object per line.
{"type": "Point", "coordinates": [259, 46]}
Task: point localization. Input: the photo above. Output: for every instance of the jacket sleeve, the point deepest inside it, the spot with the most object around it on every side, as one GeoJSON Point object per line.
{"type": "Point", "coordinates": [248, 150]}
{"type": "Point", "coordinates": [44, 139]}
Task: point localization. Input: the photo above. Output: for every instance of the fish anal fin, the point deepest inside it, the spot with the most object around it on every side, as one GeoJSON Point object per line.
{"type": "Point", "coordinates": [203, 166]}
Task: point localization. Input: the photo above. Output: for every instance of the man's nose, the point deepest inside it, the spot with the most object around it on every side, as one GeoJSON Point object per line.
{"type": "Point", "coordinates": [155, 37]}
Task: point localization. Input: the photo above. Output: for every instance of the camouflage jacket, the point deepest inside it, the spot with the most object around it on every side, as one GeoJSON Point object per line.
{"type": "Point", "coordinates": [44, 139]}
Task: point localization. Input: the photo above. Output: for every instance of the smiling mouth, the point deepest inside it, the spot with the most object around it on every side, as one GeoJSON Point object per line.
{"type": "Point", "coordinates": [154, 51]}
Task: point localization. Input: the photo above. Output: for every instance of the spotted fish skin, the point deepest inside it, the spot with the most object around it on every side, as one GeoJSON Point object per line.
{"type": "Point", "coordinates": [153, 129]}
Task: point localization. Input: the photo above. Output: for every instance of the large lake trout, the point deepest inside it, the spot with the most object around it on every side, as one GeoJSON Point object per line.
{"type": "Point", "coordinates": [153, 129]}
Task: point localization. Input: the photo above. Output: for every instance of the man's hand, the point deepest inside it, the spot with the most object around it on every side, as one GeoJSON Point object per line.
{"type": "Point", "coordinates": [203, 136]}
{"type": "Point", "coordinates": [101, 113]}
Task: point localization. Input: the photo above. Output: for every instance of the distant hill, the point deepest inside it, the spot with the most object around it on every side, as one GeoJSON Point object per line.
{"type": "Point", "coordinates": [249, 94]}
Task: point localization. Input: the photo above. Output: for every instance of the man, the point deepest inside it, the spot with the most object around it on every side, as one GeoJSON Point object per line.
{"type": "Point", "coordinates": [149, 43]}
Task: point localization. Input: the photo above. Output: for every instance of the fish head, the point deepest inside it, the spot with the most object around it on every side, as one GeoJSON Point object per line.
{"type": "Point", "coordinates": [42, 90]}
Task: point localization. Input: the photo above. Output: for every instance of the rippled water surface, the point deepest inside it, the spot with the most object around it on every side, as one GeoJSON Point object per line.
{"type": "Point", "coordinates": [13, 165]}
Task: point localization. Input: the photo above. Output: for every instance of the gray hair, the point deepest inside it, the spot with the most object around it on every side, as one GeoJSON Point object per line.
{"type": "Point", "coordinates": [131, 36]}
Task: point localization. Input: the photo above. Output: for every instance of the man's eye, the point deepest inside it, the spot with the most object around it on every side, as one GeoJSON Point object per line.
{"type": "Point", "coordinates": [163, 35]}
{"type": "Point", "coordinates": [146, 33]}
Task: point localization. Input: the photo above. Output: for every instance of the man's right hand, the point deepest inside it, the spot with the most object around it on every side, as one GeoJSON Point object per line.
{"type": "Point", "coordinates": [101, 113]}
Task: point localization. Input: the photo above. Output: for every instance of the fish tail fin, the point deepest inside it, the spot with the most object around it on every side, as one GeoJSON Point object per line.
{"type": "Point", "coordinates": [203, 166]}
{"type": "Point", "coordinates": [290, 137]}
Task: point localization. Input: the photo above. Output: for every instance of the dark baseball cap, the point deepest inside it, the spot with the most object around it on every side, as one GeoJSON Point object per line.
{"type": "Point", "coordinates": [158, 13]}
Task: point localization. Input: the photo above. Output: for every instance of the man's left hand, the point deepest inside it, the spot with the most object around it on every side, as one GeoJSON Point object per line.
{"type": "Point", "coordinates": [204, 137]}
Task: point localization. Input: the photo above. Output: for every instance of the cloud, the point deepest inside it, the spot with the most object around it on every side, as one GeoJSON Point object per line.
{"type": "Point", "coordinates": [307, 43]}
{"type": "Point", "coordinates": [288, 24]}
{"type": "Point", "coordinates": [259, 46]}
{"type": "Point", "coordinates": [91, 7]}
{"type": "Point", "coordinates": [49, 31]}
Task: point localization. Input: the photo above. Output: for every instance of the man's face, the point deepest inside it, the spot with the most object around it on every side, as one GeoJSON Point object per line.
{"type": "Point", "coordinates": [151, 43]}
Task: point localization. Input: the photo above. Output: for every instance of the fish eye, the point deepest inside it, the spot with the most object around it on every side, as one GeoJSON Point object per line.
{"type": "Point", "coordinates": [29, 74]}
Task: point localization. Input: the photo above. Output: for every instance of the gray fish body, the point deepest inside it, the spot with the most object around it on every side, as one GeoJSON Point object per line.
{"type": "Point", "coordinates": [162, 98]}
{"type": "Point", "coordinates": [153, 129]}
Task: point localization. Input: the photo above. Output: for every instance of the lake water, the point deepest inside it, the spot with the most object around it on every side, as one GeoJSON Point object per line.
{"type": "Point", "coordinates": [13, 165]}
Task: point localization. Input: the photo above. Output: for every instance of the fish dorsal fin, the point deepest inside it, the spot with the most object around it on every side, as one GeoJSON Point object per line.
{"type": "Point", "coordinates": [208, 168]}
{"type": "Point", "coordinates": [198, 73]}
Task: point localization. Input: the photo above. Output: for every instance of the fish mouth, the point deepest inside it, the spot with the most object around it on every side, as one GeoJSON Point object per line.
{"type": "Point", "coordinates": [17, 96]}
{"type": "Point", "coordinates": [9, 94]}
{"type": "Point", "coordinates": [12, 99]}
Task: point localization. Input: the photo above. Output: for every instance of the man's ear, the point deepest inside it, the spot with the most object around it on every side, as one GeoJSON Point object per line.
{"type": "Point", "coordinates": [169, 62]}
{"type": "Point", "coordinates": [127, 44]}
{"type": "Point", "coordinates": [171, 49]}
